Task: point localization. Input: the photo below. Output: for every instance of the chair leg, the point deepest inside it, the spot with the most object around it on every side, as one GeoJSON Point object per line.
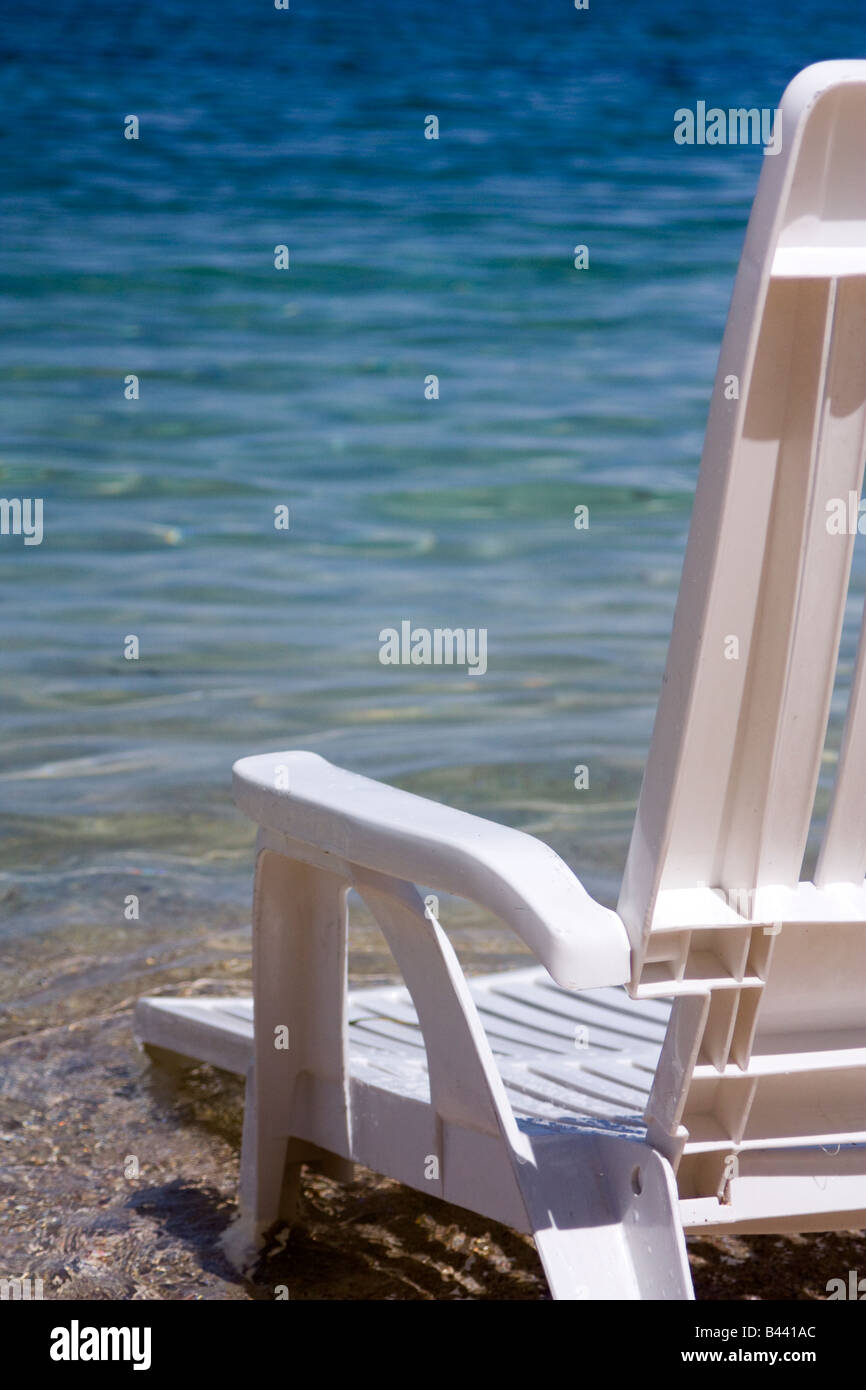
{"type": "Point", "coordinates": [299, 971]}
{"type": "Point", "coordinates": [605, 1218]}
{"type": "Point", "coordinates": [268, 1189]}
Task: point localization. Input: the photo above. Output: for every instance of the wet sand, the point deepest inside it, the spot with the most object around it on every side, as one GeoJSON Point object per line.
{"type": "Point", "coordinates": [78, 1102]}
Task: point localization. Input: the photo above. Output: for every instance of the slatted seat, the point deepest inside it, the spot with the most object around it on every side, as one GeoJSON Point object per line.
{"type": "Point", "coordinates": [728, 1090]}
{"type": "Point", "coordinates": [538, 1033]}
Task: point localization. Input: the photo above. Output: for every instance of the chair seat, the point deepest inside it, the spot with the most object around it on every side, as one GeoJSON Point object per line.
{"type": "Point", "coordinates": [567, 1060]}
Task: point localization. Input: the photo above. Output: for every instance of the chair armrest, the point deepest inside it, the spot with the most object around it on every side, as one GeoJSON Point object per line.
{"type": "Point", "coordinates": [366, 823]}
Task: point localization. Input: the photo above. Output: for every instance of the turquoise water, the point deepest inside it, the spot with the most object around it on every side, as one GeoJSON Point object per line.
{"type": "Point", "coordinates": [305, 387]}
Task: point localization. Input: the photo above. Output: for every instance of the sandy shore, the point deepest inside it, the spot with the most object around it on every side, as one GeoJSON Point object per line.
{"type": "Point", "coordinates": [79, 1103]}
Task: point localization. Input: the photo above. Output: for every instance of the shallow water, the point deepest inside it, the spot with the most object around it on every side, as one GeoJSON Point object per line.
{"type": "Point", "coordinates": [261, 387]}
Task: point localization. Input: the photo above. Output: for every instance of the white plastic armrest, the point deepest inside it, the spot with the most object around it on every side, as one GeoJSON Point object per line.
{"type": "Point", "coordinates": [518, 878]}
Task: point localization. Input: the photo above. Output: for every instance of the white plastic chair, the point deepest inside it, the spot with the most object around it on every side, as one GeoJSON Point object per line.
{"type": "Point", "coordinates": [725, 1089]}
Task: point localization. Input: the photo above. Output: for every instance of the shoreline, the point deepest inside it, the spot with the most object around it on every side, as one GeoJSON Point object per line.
{"type": "Point", "coordinates": [81, 1108]}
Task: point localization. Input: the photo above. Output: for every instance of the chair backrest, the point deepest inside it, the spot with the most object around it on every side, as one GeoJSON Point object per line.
{"type": "Point", "coordinates": [769, 972]}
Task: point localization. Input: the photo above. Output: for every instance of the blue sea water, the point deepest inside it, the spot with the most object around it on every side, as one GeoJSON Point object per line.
{"type": "Point", "coordinates": [305, 387]}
